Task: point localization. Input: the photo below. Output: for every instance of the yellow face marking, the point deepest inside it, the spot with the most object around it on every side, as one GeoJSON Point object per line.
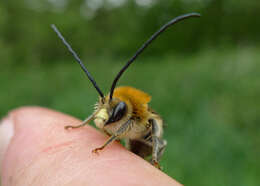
{"type": "Point", "coordinates": [102, 114]}
{"type": "Point", "coordinates": [101, 117]}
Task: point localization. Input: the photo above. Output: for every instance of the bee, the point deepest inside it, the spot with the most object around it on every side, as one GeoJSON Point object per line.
{"type": "Point", "coordinates": [124, 113]}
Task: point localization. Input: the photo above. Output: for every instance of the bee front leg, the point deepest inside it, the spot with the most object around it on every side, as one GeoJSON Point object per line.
{"type": "Point", "coordinates": [123, 129]}
{"type": "Point", "coordinates": [157, 143]}
{"type": "Point", "coordinates": [85, 122]}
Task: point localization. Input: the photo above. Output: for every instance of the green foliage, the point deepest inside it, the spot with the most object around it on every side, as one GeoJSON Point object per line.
{"type": "Point", "coordinates": [209, 101]}
{"type": "Point", "coordinates": [119, 29]}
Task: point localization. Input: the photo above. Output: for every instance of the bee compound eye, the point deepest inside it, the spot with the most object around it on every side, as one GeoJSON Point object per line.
{"type": "Point", "coordinates": [118, 112]}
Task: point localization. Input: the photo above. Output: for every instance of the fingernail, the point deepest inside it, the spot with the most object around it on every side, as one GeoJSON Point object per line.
{"type": "Point", "coordinates": [6, 134]}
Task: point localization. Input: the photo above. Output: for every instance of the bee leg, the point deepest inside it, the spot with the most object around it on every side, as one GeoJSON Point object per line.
{"type": "Point", "coordinates": [111, 139]}
{"type": "Point", "coordinates": [157, 143]}
{"type": "Point", "coordinates": [85, 122]}
{"type": "Point", "coordinates": [158, 149]}
{"type": "Point", "coordinates": [161, 147]}
{"type": "Point", "coordinates": [124, 128]}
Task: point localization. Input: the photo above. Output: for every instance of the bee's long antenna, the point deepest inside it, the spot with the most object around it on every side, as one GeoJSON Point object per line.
{"type": "Point", "coordinates": [78, 60]}
{"type": "Point", "coordinates": [140, 50]}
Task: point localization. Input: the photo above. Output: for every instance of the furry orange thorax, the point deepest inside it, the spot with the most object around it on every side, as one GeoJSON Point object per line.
{"type": "Point", "coordinates": [138, 99]}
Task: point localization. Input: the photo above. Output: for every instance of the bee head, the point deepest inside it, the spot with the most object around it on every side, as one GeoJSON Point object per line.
{"type": "Point", "coordinates": [111, 112]}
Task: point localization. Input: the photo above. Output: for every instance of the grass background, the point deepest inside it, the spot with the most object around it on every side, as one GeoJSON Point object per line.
{"type": "Point", "coordinates": [209, 101]}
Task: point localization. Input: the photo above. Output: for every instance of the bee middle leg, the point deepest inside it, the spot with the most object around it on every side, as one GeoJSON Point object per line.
{"type": "Point", "coordinates": [158, 150]}
{"type": "Point", "coordinates": [158, 144]}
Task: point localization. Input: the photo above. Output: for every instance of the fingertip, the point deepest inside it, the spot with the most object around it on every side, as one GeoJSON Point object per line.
{"type": "Point", "coordinates": [35, 131]}
{"type": "Point", "coordinates": [41, 143]}
{"type": "Point", "coordinates": [6, 134]}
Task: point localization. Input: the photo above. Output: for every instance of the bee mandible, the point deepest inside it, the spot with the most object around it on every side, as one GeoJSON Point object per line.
{"type": "Point", "coordinates": [124, 113]}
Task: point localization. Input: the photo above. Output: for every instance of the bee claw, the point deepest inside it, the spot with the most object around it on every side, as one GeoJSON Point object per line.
{"type": "Point", "coordinates": [156, 164]}
{"type": "Point", "coordinates": [68, 127]}
{"type": "Point", "coordinates": [96, 150]}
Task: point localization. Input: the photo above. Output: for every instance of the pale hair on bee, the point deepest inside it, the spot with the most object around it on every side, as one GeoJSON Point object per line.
{"type": "Point", "coordinates": [124, 113]}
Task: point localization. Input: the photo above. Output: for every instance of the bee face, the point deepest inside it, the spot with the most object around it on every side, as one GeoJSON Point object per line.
{"type": "Point", "coordinates": [110, 113]}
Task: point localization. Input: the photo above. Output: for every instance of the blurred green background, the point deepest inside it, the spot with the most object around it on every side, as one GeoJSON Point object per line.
{"type": "Point", "coordinates": [203, 73]}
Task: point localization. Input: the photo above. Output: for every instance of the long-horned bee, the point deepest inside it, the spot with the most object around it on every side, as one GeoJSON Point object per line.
{"type": "Point", "coordinates": [124, 113]}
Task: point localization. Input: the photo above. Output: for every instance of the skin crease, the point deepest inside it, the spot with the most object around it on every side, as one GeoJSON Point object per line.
{"type": "Point", "coordinates": [42, 152]}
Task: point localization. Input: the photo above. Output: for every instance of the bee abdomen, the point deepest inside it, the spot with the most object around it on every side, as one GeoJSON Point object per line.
{"type": "Point", "coordinates": [139, 148]}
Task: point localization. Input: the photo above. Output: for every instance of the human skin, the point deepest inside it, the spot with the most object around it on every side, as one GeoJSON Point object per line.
{"type": "Point", "coordinates": [35, 149]}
